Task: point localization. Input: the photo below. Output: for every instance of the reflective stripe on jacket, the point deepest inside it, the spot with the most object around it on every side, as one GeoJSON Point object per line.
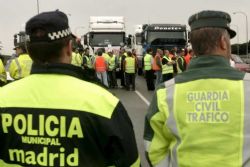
{"type": "Point", "coordinates": [20, 67]}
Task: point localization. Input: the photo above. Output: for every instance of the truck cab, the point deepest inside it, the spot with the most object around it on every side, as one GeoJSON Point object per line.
{"type": "Point", "coordinates": [164, 36]}
{"type": "Point", "coordinates": [106, 32]}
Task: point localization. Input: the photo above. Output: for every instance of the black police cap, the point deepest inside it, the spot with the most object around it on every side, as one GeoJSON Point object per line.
{"type": "Point", "coordinates": [53, 23]}
{"type": "Point", "coordinates": [209, 18]}
{"type": "Point", "coordinates": [19, 40]}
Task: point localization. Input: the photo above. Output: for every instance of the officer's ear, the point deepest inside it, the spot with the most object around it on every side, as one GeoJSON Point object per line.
{"type": "Point", "coordinates": [223, 42]}
{"type": "Point", "coordinates": [69, 48]}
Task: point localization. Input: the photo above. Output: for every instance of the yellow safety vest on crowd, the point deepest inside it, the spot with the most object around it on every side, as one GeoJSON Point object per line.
{"type": "Point", "coordinates": [2, 72]}
{"type": "Point", "coordinates": [182, 63]}
{"type": "Point", "coordinates": [112, 63]}
{"type": "Point", "coordinates": [76, 59]}
{"type": "Point", "coordinates": [120, 60]}
{"type": "Point", "coordinates": [20, 67]}
{"type": "Point", "coordinates": [166, 69]}
{"type": "Point", "coordinates": [89, 63]}
{"type": "Point", "coordinates": [147, 62]}
{"type": "Point", "coordinates": [130, 65]}
{"type": "Point", "coordinates": [106, 57]}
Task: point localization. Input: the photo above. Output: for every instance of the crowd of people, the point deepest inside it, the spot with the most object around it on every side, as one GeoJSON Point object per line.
{"type": "Point", "coordinates": [106, 67]}
{"type": "Point", "coordinates": [51, 116]}
{"type": "Point", "coordinates": [164, 64]}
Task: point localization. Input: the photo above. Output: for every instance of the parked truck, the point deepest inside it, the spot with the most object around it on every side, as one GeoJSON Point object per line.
{"type": "Point", "coordinates": [164, 36]}
{"type": "Point", "coordinates": [105, 32]}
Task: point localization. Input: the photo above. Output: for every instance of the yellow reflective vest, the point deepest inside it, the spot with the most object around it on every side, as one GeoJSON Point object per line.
{"type": "Point", "coordinates": [166, 69]}
{"type": "Point", "coordinates": [76, 59]}
{"type": "Point", "coordinates": [130, 65]}
{"type": "Point", "coordinates": [112, 63]}
{"type": "Point", "coordinates": [20, 67]}
{"type": "Point", "coordinates": [2, 72]}
{"type": "Point", "coordinates": [148, 62]}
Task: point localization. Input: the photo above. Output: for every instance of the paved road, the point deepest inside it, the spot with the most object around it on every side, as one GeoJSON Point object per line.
{"type": "Point", "coordinates": [136, 103]}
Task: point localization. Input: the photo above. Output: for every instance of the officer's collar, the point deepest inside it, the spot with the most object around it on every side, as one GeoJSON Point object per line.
{"type": "Point", "coordinates": [65, 69]}
{"type": "Point", "coordinates": [207, 61]}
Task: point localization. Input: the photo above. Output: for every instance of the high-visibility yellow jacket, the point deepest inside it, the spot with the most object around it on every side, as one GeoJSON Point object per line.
{"type": "Point", "coordinates": [76, 59]}
{"type": "Point", "coordinates": [20, 67]}
{"type": "Point", "coordinates": [112, 63]}
{"type": "Point", "coordinates": [106, 57]}
{"type": "Point", "coordinates": [148, 60]}
{"type": "Point", "coordinates": [2, 72]}
{"type": "Point", "coordinates": [166, 69]}
{"type": "Point", "coordinates": [201, 118]}
{"type": "Point", "coordinates": [51, 118]}
{"type": "Point", "coordinates": [130, 65]}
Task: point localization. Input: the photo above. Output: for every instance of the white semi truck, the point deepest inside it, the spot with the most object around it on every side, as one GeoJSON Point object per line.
{"type": "Point", "coordinates": [105, 32]}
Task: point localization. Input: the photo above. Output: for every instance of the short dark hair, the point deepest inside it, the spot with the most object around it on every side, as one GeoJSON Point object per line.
{"type": "Point", "coordinates": [99, 52]}
{"type": "Point", "coordinates": [149, 50]}
{"type": "Point", "coordinates": [129, 54]}
{"type": "Point", "coordinates": [205, 40]}
{"type": "Point", "coordinates": [42, 52]}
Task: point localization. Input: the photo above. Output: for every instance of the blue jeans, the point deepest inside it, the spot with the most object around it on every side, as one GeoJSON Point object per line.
{"type": "Point", "coordinates": [158, 78]}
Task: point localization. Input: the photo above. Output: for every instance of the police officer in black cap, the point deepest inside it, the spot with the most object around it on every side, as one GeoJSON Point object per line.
{"type": "Point", "coordinates": [20, 65]}
{"type": "Point", "coordinates": [201, 117]}
{"type": "Point", "coordinates": [52, 117]}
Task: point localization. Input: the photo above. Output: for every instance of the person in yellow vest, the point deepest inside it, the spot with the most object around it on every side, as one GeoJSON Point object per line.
{"type": "Point", "coordinates": [180, 61]}
{"type": "Point", "coordinates": [21, 65]}
{"type": "Point", "coordinates": [105, 55]}
{"type": "Point", "coordinates": [3, 78]}
{"type": "Point", "coordinates": [76, 58]}
{"type": "Point", "coordinates": [87, 62]}
{"type": "Point", "coordinates": [130, 70]}
{"type": "Point", "coordinates": [201, 118]}
{"type": "Point", "coordinates": [167, 67]}
{"type": "Point", "coordinates": [112, 69]}
{"type": "Point", "coordinates": [53, 117]}
{"type": "Point", "coordinates": [148, 63]}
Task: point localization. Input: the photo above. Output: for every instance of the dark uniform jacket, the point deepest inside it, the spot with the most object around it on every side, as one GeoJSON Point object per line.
{"type": "Point", "coordinates": [54, 118]}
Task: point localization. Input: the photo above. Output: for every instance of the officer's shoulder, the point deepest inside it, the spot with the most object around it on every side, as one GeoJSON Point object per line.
{"type": "Point", "coordinates": [97, 91]}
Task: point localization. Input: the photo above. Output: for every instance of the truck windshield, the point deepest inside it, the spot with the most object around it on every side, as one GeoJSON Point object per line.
{"type": "Point", "coordinates": [166, 37]}
{"type": "Point", "coordinates": [107, 39]}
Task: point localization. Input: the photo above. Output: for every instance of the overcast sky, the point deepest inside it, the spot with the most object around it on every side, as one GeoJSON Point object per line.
{"type": "Point", "coordinates": [15, 13]}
